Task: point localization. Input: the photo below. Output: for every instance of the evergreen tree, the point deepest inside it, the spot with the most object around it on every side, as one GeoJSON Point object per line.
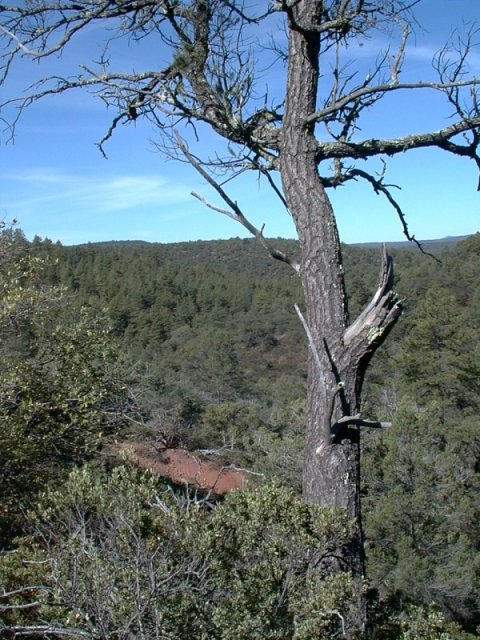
{"type": "Point", "coordinates": [58, 390]}
{"type": "Point", "coordinates": [438, 360]}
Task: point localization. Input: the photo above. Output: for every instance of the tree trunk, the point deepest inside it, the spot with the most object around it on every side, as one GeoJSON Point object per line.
{"type": "Point", "coordinates": [338, 354]}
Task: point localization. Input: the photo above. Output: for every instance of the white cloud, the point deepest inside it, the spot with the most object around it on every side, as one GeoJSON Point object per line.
{"type": "Point", "coordinates": [52, 190]}
{"type": "Point", "coordinates": [38, 176]}
{"type": "Point", "coordinates": [130, 192]}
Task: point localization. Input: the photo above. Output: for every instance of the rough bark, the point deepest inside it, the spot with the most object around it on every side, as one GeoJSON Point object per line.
{"type": "Point", "coordinates": [338, 353]}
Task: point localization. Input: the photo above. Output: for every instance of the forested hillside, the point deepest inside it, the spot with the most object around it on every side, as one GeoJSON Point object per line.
{"type": "Point", "coordinates": [198, 343]}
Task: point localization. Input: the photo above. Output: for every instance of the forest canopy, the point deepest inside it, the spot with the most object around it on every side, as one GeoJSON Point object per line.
{"type": "Point", "coordinates": [186, 348]}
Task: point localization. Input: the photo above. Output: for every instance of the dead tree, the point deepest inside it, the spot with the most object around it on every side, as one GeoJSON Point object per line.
{"type": "Point", "coordinates": [310, 135]}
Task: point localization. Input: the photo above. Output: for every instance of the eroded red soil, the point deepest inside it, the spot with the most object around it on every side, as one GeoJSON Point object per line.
{"type": "Point", "coordinates": [183, 467]}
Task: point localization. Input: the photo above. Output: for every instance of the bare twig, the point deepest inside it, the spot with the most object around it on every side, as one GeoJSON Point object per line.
{"type": "Point", "coordinates": [380, 187]}
{"type": "Point", "coordinates": [14, 607]}
{"type": "Point", "coordinates": [42, 631]}
{"type": "Point", "coordinates": [234, 212]}
{"type": "Point", "coordinates": [311, 342]}
{"type": "Point", "coordinates": [16, 592]}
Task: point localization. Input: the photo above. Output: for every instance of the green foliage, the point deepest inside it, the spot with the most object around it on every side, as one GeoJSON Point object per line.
{"type": "Point", "coordinates": [129, 559]}
{"type": "Point", "coordinates": [396, 620]}
{"type": "Point", "coordinates": [270, 560]}
{"type": "Point", "coordinates": [422, 513]}
{"type": "Point", "coordinates": [421, 477]}
{"type": "Point", "coordinates": [216, 357]}
{"type": "Point", "coordinates": [228, 427]}
{"type": "Point", "coordinates": [437, 360]}
{"type": "Point", "coordinates": [205, 368]}
{"type": "Point", "coordinates": [58, 392]}
{"type": "Point", "coordinates": [277, 445]}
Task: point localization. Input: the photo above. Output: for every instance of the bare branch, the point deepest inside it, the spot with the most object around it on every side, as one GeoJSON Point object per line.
{"type": "Point", "coordinates": [346, 19]}
{"type": "Point", "coordinates": [20, 45]}
{"type": "Point", "coordinates": [14, 607]}
{"type": "Point", "coordinates": [311, 342]}
{"type": "Point", "coordinates": [451, 64]}
{"type": "Point", "coordinates": [372, 147]}
{"type": "Point", "coordinates": [358, 421]}
{"type": "Point", "coordinates": [381, 89]}
{"type": "Point", "coordinates": [9, 594]}
{"type": "Point", "coordinates": [210, 77]}
{"type": "Point", "coordinates": [266, 172]}
{"type": "Point", "coordinates": [380, 187]}
{"type": "Point", "coordinates": [234, 212]}
{"type": "Point", "coordinates": [42, 631]}
{"type": "Point", "coordinates": [399, 56]}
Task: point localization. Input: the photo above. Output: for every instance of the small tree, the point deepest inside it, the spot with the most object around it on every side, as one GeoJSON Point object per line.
{"type": "Point", "coordinates": [58, 390]}
{"type": "Point", "coordinates": [310, 135]}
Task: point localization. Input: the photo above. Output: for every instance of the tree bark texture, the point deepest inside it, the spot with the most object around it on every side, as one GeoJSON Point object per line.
{"type": "Point", "coordinates": [338, 352]}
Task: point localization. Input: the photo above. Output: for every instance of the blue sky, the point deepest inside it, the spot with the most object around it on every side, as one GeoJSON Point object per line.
{"type": "Point", "coordinates": [55, 182]}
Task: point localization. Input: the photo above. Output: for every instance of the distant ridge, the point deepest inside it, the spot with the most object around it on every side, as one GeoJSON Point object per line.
{"type": "Point", "coordinates": [433, 245]}
{"type": "Point", "coordinates": [436, 244]}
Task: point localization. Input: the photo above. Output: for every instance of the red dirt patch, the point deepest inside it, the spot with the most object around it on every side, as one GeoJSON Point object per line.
{"type": "Point", "coordinates": [183, 467]}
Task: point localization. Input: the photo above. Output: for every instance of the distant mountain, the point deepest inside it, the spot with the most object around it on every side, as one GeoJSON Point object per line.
{"type": "Point", "coordinates": [435, 245]}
